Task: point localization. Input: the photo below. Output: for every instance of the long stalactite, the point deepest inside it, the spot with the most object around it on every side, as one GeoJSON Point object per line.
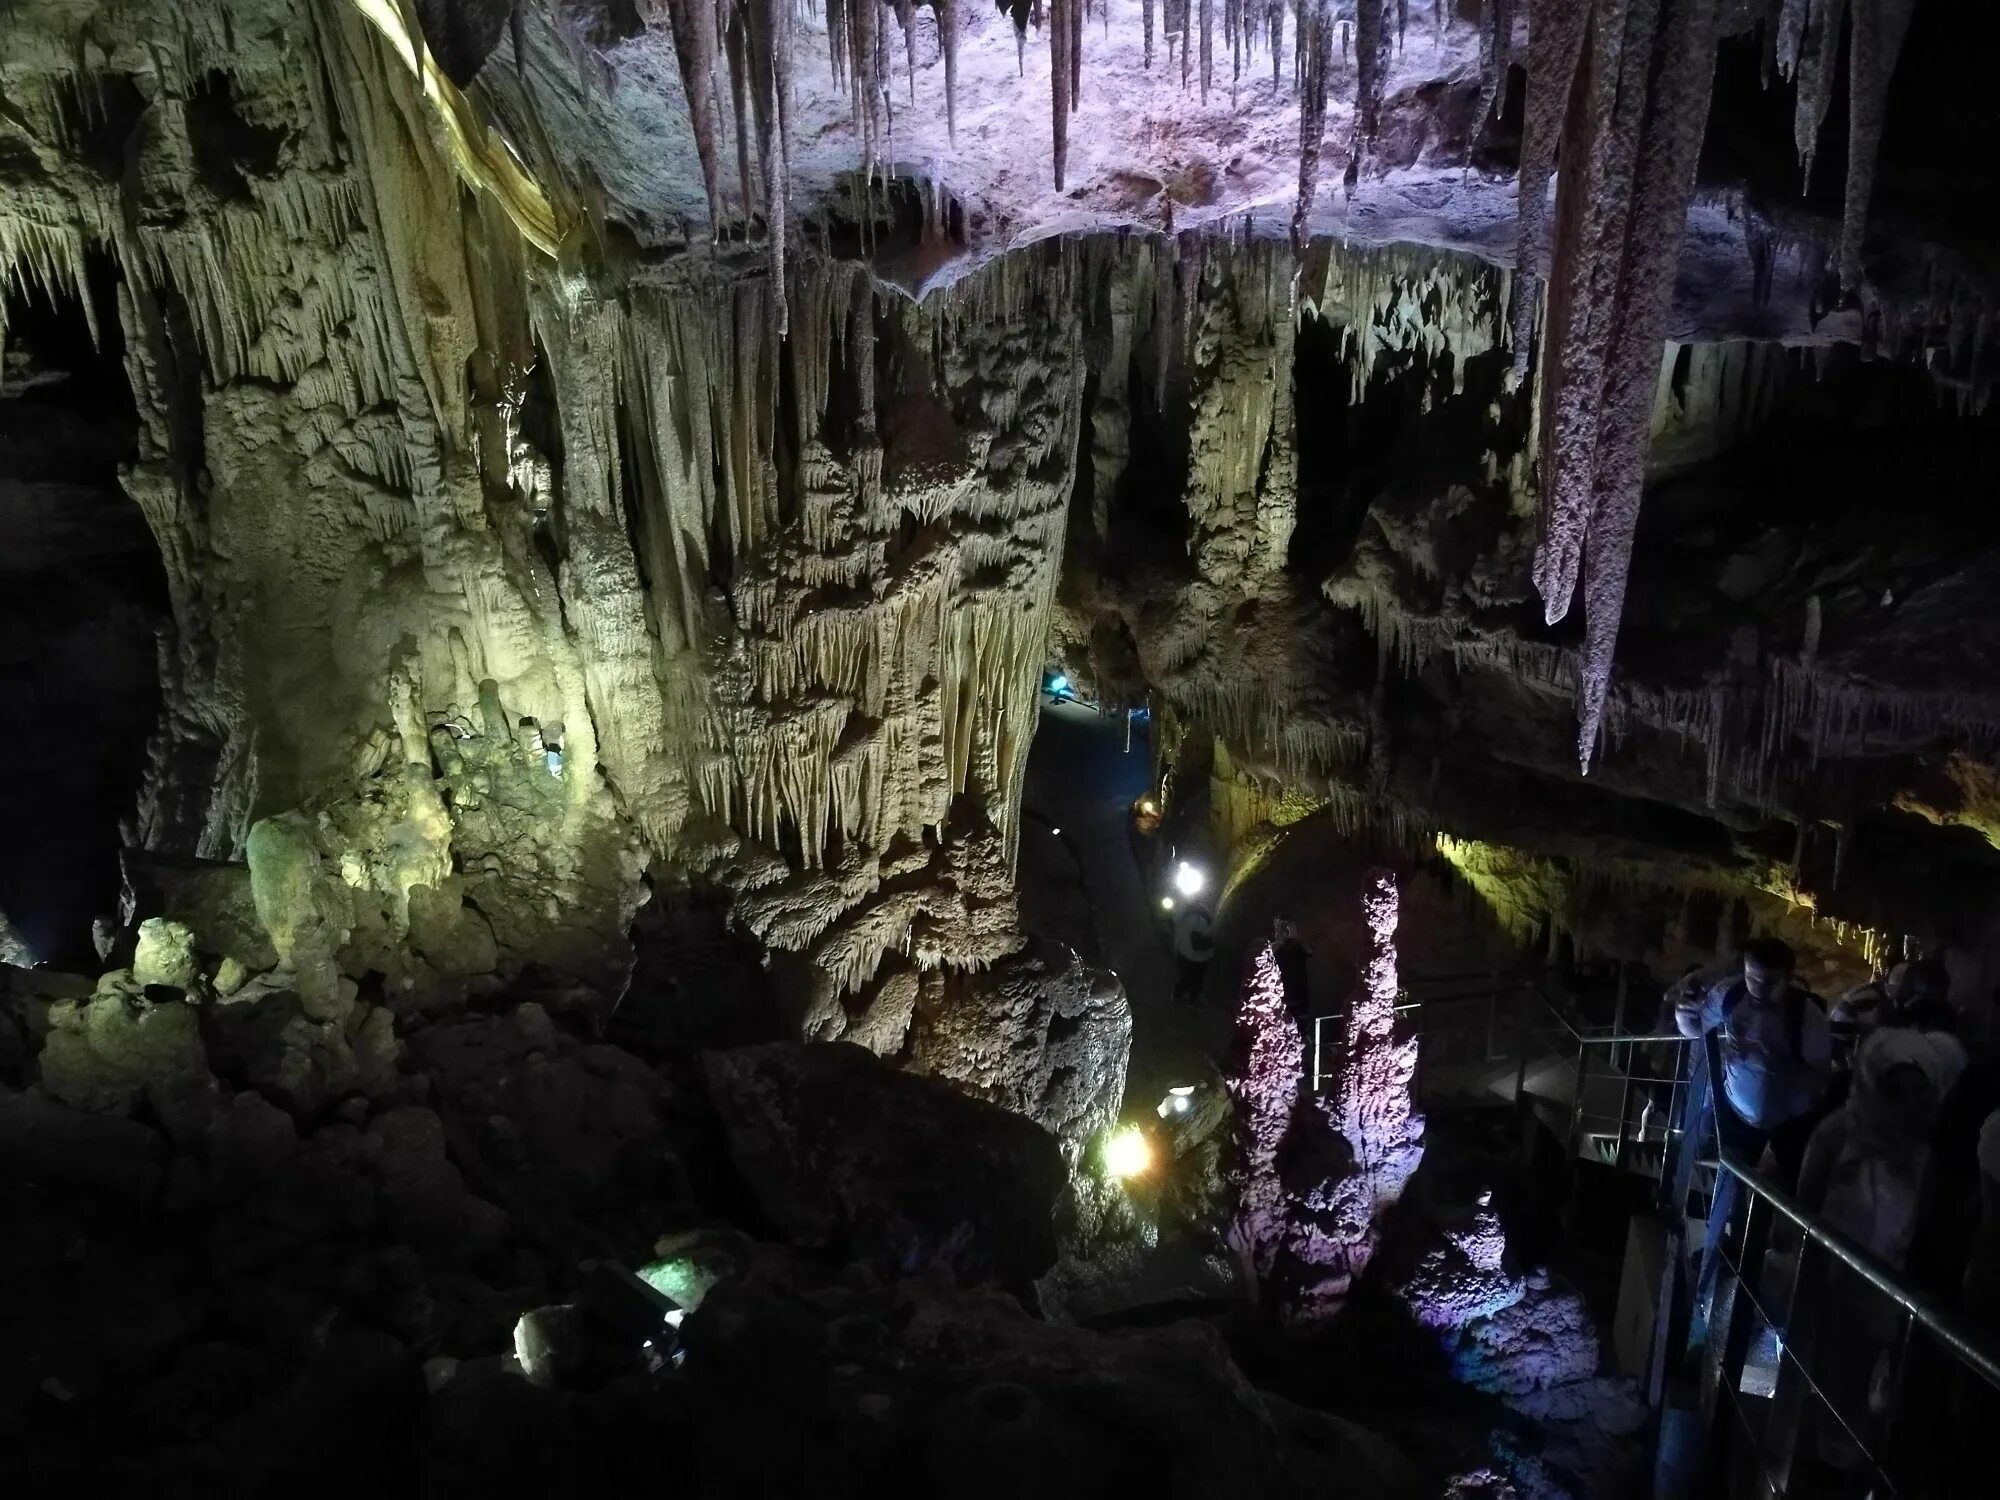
{"type": "Point", "coordinates": [1630, 139]}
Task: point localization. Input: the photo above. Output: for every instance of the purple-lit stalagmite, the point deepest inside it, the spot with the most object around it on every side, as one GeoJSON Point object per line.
{"type": "Point", "coordinates": [1307, 1245]}
{"type": "Point", "coordinates": [1266, 1090]}
{"type": "Point", "coordinates": [1373, 1110]}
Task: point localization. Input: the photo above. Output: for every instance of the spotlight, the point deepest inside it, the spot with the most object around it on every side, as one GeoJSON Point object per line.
{"type": "Point", "coordinates": [1059, 683]}
{"type": "Point", "coordinates": [1179, 1100]}
{"type": "Point", "coordinates": [1188, 880]}
{"type": "Point", "coordinates": [1149, 807]}
{"type": "Point", "coordinates": [1057, 832]}
{"type": "Point", "coordinates": [1166, 903]}
{"type": "Point", "coordinates": [1127, 1152]}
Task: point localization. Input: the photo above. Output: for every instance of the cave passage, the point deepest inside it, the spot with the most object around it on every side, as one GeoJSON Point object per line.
{"type": "Point", "coordinates": [82, 595]}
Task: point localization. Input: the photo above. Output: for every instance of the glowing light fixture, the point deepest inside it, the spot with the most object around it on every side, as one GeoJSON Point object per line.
{"type": "Point", "coordinates": [1166, 903]}
{"type": "Point", "coordinates": [1149, 807]}
{"type": "Point", "coordinates": [1179, 1100]}
{"type": "Point", "coordinates": [1059, 683]}
{"type": "Point", "coordinates": [1127, 1152]}
{"type": "Point", "coordinates": [1056, 831]}
{"type": "Point", "coordinates": [1188, 880]}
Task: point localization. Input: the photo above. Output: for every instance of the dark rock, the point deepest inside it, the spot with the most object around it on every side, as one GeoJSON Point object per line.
{"type": "Point", "coordinates": [423, 1194]}
{"type": "Point", "coordinates": [491, 1433]}
{"type": "Point", "coordinates": [842, 1153]}
{"type": "Point", "coordinates": [914, 1389]}
{"type": "Point", "coordinates": [348, 1425]}
{"type": "Point", "coordinates": [49, 1142]}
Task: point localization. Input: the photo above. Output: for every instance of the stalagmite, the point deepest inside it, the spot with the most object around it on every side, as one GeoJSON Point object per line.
{"type": "Point", "coordinates": [1308, 1244]}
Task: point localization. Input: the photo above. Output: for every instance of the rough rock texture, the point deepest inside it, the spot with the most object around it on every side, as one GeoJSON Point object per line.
{"type": "Point", "coordinates": [843, 1154]}
{"type": "Point", "coordinates": [1039, 1033]}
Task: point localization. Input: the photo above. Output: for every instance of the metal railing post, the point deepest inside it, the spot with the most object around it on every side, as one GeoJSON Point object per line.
{"type": "Point", "coordinates": [1724, 1370]}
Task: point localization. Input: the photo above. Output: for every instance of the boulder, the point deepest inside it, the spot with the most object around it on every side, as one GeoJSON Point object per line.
{"type": "Point", "coordinates": [110, 1053]}
{"type": "Point", "coordinates": [1039, 1032]}
{"type": "Point", "coordinates": [165, 955]}
{"type": "Point", "coordinates": [842, 1153]}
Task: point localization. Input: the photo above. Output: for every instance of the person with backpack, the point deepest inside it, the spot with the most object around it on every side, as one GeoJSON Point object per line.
{"type": "Point", "coordinates": [1771, 1041]}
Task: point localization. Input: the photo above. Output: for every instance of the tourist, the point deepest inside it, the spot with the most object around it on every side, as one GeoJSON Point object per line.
{"type": "Point", "coordinates": [1863, 1177]}
{"type": "Point", "coordinates": [1292, 956]}
{"type": "Point", "coordinates": [1194, 946]}
{"type": "Point", "coordinates": [1775, 1048]}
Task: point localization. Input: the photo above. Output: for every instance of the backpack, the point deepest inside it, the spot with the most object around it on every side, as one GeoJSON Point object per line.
{"type": "Point", "coordinates": [1796, 997]}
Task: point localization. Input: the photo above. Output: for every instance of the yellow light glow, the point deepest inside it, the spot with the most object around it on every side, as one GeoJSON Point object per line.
{"type": "Point", "coordinates": [1166, 903]}
{"type": "Point", "coordinates": [1127, 1152]}
{"type": "Point", "coordinates": [483, 157]}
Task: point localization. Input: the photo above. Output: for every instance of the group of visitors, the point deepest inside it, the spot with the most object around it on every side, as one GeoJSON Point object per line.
{"type": "Point", "coordinates": [1874, 1115]}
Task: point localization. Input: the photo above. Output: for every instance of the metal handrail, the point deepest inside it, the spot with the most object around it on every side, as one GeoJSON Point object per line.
{"type": "Point", "coordinates": [1932, 1318]}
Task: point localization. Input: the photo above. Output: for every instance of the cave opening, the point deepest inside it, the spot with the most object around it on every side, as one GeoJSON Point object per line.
{"type": "Point", "coordinates": [83, 595]}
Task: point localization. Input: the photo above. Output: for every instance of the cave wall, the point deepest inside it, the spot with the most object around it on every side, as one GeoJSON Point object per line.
{"type": "Point", "coordinates": [501, 578]}
{"type": "Point", "coordinates": [517, 557]}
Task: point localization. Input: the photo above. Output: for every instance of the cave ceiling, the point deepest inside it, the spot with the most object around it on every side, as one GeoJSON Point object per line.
{"type": "Point", "coordinates": [597, 446]}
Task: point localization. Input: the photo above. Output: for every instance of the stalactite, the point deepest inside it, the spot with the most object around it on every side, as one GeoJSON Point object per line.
{"type": "Point", "coordinates": [1146, 8]}
{"type": "Point", "coordinates": [1633, 134]}
{"type": "Point", "coordinates": [947, 20]}
{"type": "Point", "coordinates": [1555, 44]}
{"type": "Point", "coordinates": [1496, 53]}
{"type": "Point", "coordinates": [1314, 66]}
{"type": "Point", "coordinates": [739, 96]}
{"type": "Point", "coordinates": [1059, 81]}
{"type": "Point", "coordinates": [1818, 60]}
{"type": "Point", "coordinates": [1075, 53]}
{"type": "Point", "coordinates": [693, 25]}
{"type": "Point", "coordinates": [1877, 33]}
{"type": "Point", "coordinates": [906, 17]}
{"type": "Point", "coordinates": [1371, 61]}
{"type": "Point", "coordinates": [1207, 46]}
